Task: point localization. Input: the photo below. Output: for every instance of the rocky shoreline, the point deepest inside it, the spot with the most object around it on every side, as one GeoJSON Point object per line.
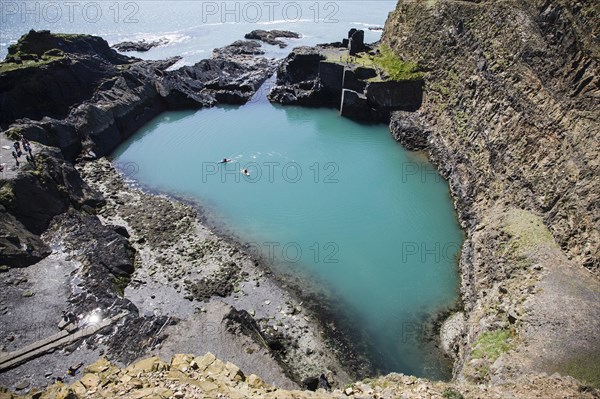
{"type": "Point", "coordinates": [182, 287]}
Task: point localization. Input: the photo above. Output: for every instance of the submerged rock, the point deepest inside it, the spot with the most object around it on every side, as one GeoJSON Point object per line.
{"type": "Point", "coordinates": [140, 45]}
{"type": "Point", "coordinates": [272, 36]}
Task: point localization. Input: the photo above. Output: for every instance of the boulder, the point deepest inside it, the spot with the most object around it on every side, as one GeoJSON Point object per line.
{"type": "Point", "coordinates": [18, 246]}
{"type": "Point", "coordinates": [181, 362]}
{"type": "Point", "coordinates": [271, 37]}
{"type": "Point", "coordinates": [451, 331]}
{"type": "Point", "coordinates": [310, 383]}
{"type": "Point", "coordinates": [147, 365]}
{"type": "Point", "coordinates": [203, 362]}
{"type": "Point", "coordinates": [40, 192]}
{"type": "Point", "coordinates": [140, 45]}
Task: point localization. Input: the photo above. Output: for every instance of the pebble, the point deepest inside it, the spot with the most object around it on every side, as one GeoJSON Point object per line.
{"type": "Point", "coordinates": [22, 385]}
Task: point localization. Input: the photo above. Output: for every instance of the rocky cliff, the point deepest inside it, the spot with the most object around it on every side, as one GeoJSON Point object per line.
{"type": "Point", "coordinates": [76, 93]}
{"type": "Point", "coordinates": [510, 117]}
{"type": "Point", "coordinates": [513, 90]}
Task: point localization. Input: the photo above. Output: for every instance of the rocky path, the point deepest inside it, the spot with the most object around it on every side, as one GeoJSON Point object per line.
{"type": "Point", "coordinates": [189, 376]}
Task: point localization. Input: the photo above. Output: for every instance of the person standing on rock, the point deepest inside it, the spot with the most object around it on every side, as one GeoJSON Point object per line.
{"type": "Point", "coordinates": [17, 146]}
{"type": "Point", "coordinates": [26, 145]}
{"type": "Point", "coordinates": [14, 154]}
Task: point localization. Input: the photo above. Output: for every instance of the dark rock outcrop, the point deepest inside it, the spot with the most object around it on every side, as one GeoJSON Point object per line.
{"type": "Point", "coordinates": [356, 41]}
{"type": "Point", "coordinates": [97, 245]}
{"type": "Point", "coordinates": [297, 79]}
{"type": "Point", "coordinates": [122, 94]}
{"type": "Point", "coordinates": [18, 246]}
{"type": "Point", "coordinates": [394, 96]}
{"type": "Point", "coordinates": [237, 48]}
{"type": "Point", "coordinates": [331, 77]}
{"type": "Point", "coordinates": [300, 66]}
{"type": "Point", "coordinates": [40, 192]}
{"type": "Point", "coordinates": [407, 128]}
{"type": "Point", "coordinates": [60, 71]}
{"type": "Point", "coordinates": [355, 105]}
{"type": "Point", "coordinates": [272, 36]}
{"type": "Point", "coordinates": [325, 76]}
{"type": "Point", "coordinates": [140, 45]}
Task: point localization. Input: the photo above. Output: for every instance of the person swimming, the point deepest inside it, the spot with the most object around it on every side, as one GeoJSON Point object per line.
{"type": "Point", "coordinates": [245, 172]}
{"type": "Point", "coordinates": [225, 160]}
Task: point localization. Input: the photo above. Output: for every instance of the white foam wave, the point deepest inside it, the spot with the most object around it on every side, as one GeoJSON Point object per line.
{"type": "Point", "coordinates": [171, 38]}
{"type": "Point", "coordinates": [366, 24]}
{"type": "Point", "coordinates": [283, 21]}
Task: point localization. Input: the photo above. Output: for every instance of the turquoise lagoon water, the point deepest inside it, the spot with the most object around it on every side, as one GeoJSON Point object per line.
{"type": "Point", "coordinates": [326, 196]}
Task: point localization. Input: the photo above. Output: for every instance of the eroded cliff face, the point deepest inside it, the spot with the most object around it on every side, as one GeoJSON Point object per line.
{"type": "Point", "coordinates": [513, 86]}
{"type": "Point", "coordinates": [510, 116]}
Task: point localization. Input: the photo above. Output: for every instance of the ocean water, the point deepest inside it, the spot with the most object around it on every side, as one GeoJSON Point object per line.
{"type": "Point", "coordinates": [326, 197]}
{"type": "Point", "coordinates": [194, 27]}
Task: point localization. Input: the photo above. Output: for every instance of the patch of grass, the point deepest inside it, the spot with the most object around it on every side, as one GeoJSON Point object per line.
{"type": "Point", "coordinates": [450, 393]}
{"type": "Point", "coordinates": [7, 66]}
{"type": "Point", "coordinates": [394, 67]}
{"type": "Point", "coordinates": [7, 196]}
{"type": "Point", "coordinates": [491, 344]}
{"type": "Point", "coordinates": [586, 368]}
{"type": "Point", "coordinates": [14, 133]}
{"type": "Point", "coordinates": [527, 231]}
{"type": "Point", "coordinates": [36, 49]}
{"type": "Point", "coordinates": [120, 283]}
{"type": "Point", "coordinates": [385, 61]}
